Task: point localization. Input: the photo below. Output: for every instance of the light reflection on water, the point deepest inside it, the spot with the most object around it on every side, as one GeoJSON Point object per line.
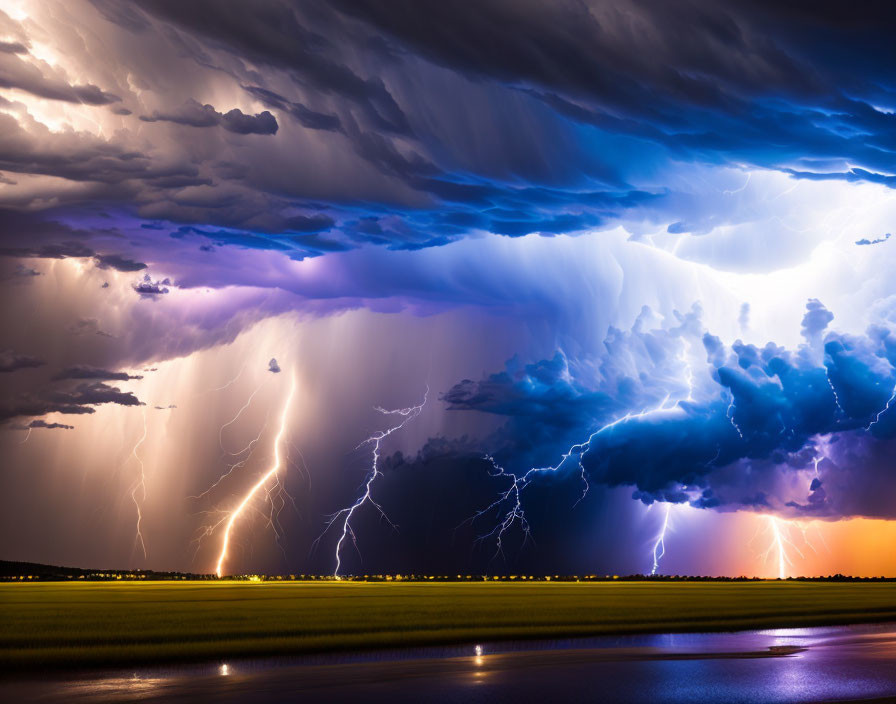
{"type": "Point", "coordinates": [841, 663]}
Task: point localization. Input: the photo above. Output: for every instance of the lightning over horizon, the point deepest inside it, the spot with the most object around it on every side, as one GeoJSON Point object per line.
{"type": "Point", "coordinates": [407, 415]}
{"type": "Point", "coordinates": [276, 464]}
{"type": "Point", "coordinates": [659, 547]}
{"type": "Point", "coordinates": [633, 271]}
{"type": "Point", "coordinates": [139, 485]}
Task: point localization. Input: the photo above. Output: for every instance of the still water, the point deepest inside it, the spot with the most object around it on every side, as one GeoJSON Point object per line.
{"type": "Point", "coordinates": [786, 665]}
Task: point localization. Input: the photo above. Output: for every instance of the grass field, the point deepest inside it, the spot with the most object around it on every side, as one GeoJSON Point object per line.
{"type": "Point", "coordinates": [87, 624]}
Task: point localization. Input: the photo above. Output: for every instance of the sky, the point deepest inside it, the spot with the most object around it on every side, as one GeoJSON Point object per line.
{"type": "Point", "coordinates": [508, 287]}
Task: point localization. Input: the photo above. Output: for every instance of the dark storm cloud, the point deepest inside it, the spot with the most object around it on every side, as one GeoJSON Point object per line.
{"type": "Point", "coordinates": [147, 288]}
{"type": "Point", "coordinates": [10, 361]}
{"type": "Point", "coordinates": [728, 442]}
{"type": "Point", "coordinates": [87, 372]}
{"type": "Point", "coordinates": [49, 426]}
{"type": "Point", "coordinates": [194, 114]}
{"type": "Point", "coordinates": [305, 116]}
{"type": "Point", "coordinates": [117, 262]}
{"type": "Point", "coordinates": [441, 120]}
{"type": "Point", "coordinates": [765, 68]}
{"type": "Point", "coordinates": [79, 400]}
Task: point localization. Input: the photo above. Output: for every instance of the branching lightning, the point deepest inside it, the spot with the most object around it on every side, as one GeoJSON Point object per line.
{"type": "Point", "coordinates": [139, 486]}
{"type": "Point", "coordinates": [250, 448]}
{"type": "Point", "coordinates": [237, 416]}
{"type": "Point", "coordinates": [512, 498]}
{"type": "Point", "coordinates": [270, 473]}
{"type": "Point", "coordinates": [375, 440]}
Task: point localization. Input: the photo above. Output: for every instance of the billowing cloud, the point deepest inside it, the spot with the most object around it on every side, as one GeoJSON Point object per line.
{"type": "Point", "coordinates": [635, 221]}
{"type": "Point", "coordinates": [193, 114]}
{"type": "Point", "coordinates": [712, 425]}
{"type": "Point", "coordinates": [147, 288]}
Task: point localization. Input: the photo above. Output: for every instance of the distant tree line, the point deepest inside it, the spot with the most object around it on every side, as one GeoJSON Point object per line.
{"type": "Point", "coordinates": [31, 571]}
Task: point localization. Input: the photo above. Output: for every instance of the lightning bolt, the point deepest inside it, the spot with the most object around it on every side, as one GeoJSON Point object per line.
{"type": "Point", "coordinates": [512, 497]}
{"type": "Point", "coordinates": [730, 414]}
{"type": "Point", "coordinates": [883, 410]}
{"type": "Point", "coordinates": [237, 416]}
{"type": "Point", "coordinates": [779, 545]}
{"type": "Point", "coordinates": [27, 435]}
{"type": "Point", "coordinates": [375, 440]}
{"type": "Point", "coordinates": [139, 486]}
{"type": "Point", "coordinates": [259, 485]}
{"type": "Point", "coordinates": [250, 448]}
{"type": "Point", "coordinates": [827, 374]}
{"type": "Point", "coordinates": [659, 547]}
{"type": "Point", "coordinates": [228, 384]}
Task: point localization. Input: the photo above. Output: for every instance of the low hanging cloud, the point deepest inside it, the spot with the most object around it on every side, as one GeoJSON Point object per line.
{"type": "Point", "coordinates": [194, 114]}
{"type": "Point", "coordinates": [77, 401]}
{"type": "Point", "coordinates": [117, 262]}
{"type": "Point", "coordinates": [38, 423]}
{"type": "Point", "coordinates": [88, 372]}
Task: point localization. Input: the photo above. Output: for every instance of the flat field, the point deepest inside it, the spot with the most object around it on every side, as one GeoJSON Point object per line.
{"type": "Point", "coordinates": [127, 623]}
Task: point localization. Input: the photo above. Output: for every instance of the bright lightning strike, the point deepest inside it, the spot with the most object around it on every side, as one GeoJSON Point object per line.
{"type": "Point", "coordinates": [265, 478]}
{"type": "Point", "coordinates": [375, 440]}
{"type": "Point", "coordinates": [883, 410]}
{"type": "Point", "coordinates": [659, 547]}
{"type": "Point", "coordinates": [780, 545]}
{"type": "Point", "coordinates": [139, 486]}
{"type": "Point", "coordinates": [512, 497]}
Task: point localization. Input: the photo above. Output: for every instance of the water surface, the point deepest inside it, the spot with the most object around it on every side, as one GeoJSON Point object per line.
{"type": "Point", "coordinates": [785, 665]}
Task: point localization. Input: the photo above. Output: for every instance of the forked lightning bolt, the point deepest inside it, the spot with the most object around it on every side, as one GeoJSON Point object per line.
{"type": "Point", "coordinates": [270, 473]}
{"type": "Point", "coordinates": [512, 497]}
{"type": "Point", "coordinates": [375, 440]}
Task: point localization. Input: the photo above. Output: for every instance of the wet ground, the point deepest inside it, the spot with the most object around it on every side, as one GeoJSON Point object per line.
{"type": "Point", "coordinates": [786, 665]}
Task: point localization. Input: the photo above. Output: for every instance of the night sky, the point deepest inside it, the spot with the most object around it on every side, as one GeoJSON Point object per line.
{"type": "Point", "coordinates": [449, 287]}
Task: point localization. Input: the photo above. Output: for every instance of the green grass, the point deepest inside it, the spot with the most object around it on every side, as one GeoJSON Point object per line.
{"type": "Point", "coordinates": [86, 624]}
